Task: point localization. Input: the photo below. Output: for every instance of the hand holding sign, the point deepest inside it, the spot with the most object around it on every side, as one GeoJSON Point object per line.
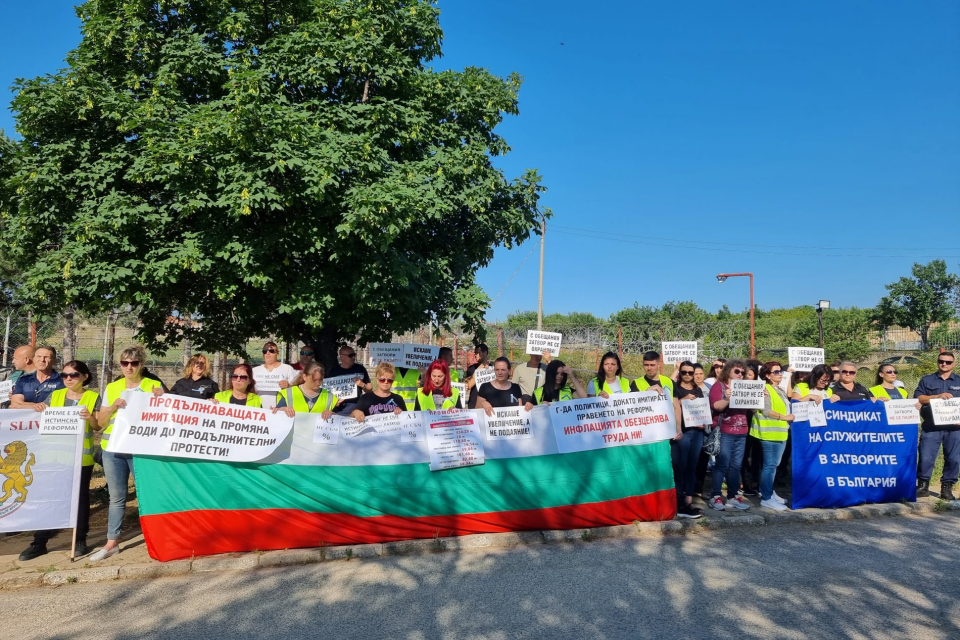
{"type": "Point", "coordinates": [804, 358]}
{"type": "Point", "coordinates": [746, 394]}
{"type": "Point", "coordinates": [677, 352]}
{"type": "Point", "coordinates": [540, 341]}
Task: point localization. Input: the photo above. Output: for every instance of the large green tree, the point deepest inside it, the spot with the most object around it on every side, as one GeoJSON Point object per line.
{"type": "Point", "coordinates": [920, 301]}
{"type": "Point", "coordinates": [289, 167]}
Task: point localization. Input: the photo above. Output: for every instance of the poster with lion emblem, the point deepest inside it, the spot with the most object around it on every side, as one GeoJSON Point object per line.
{"type": "Point", "coordinates": [39, 475]}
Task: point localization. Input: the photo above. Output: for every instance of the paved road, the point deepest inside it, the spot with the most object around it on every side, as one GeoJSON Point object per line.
{"type": "Point", "coordinates": [881, 578]}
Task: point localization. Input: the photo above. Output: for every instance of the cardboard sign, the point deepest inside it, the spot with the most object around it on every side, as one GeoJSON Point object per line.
{"type": "Point", "coordinates": [746, 394]}
{"type": "Point", "coordinates": [696, 412]}
{"type": "Point", "coordinates": [677, 352]}
{"type": "Point", "coordinates": [540, 341]}
{"type": "Point", "coordinates": [805, 358]}
{"type": "Point", "coordinates": [60, 421]}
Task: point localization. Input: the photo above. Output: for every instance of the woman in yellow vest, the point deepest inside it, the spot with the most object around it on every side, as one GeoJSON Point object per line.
{"type": "Point", "coordinates": [771, 426]}
{"type": "Point", "coordinates": [609, 378]}
{"type": "Point", "coordinates": [75, 376]}
{"type": "Point", "coordinates": [309, 396]}
{"type": "Point", "coordinates": [885, 389]}
{"type": "Point", "coordinates": [242, 388]}
{"type": "Point", "coordinates": [817, 388]}
{"type": "Point", "coordinates": [559, 384]}
{"type": "Point", "coordinates": [437, 393]}
{"type": "Point", "coordinates": [117, 466]}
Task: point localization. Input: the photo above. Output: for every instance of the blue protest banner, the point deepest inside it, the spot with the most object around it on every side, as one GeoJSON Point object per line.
{"type": "Point", "coordinates": [858, 457]}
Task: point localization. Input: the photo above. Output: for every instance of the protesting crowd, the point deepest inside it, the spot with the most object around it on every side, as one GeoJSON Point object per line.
{"type": "Point", "coordinates": [744, 450]}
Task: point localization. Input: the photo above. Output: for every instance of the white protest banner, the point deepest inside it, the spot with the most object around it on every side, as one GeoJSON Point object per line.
{"type": "Point", "coordinates": [622, 419]}
{"type": "Point", "coordinates": [6, 388]}
{"type": "Point", "coordinates": [327, 431]}
{"type": "Point", "coordinates": [419, 356]}
{"type": "Point", "coordinates": [186, 428]}
{"type": "Point", "coordinates": [41, 474]}
{"type": "Point", "coordinates": [805, 358]}
{"type": "Point", "coordinates": [696, 412]}
{"type": "Point", "coordinates": [817, 415]}
{"type": "Point", "coordinates": [453, 439]}
{"type": "Point", "coordinates": [483, 376]}
{"type": "Point", "coordinates": [387, 352]}
{"type": "Point", "coordinates": [746, 394]}
{"type": "Point", "coordinates": [508, 423]}
{"type": "Point", "coordinates": [677, 352]}
{"type": "Point", "coordinates": [540, 341]}
{"type": "Point", "coordinates": [344, 387]}
{"type": "Point", "coordinates": [62, 421]}
{"type": "Point", "coordinates": [462, 388]}
{"type": "Point", "coordinates": [800, 411]}
{"type": "Point", "coordinates": [945, 412]}
{"type": "Point", "coordinates": [902, 411]}
{"type": "Point", "coordinates": [382, 424]}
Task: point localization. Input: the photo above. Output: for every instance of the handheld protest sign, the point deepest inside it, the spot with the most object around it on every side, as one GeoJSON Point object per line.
{"type": "Point", "coordinates": [804, 358]}
{"type": "Point", "coordinates": [482, 376]}
{"type": "Point", "coordinates": [540, 341]}
{"type": "Point", "coordinates": [387, 352]}
{"type": "Point", "coordinates": [746, 394]}
{"type": "Point", "coordinates": [696, 412]}
{"type": "Point", "coordinates": [676, 352]}
{"type": "Point", "coordinates": [945, 412]}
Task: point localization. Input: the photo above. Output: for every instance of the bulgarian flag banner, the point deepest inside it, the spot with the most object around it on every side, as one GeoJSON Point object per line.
{"type": "Point", "coordinates": [574, 464]}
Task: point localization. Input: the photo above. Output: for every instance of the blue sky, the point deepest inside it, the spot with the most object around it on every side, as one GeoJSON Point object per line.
{"type": "Point", "coordinates": [816, 144]}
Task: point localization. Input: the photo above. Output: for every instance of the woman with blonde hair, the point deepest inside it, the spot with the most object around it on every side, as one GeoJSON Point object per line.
{"type": "Point", "coordinates": [196, 381]}
{"type": "Point", "coordinates": [117, 466]}
{"type": "Point", "coordinates": [381, 399]}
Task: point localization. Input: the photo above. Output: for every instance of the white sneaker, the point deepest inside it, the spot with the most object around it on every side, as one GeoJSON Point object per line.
{"type": "Point", "coordinates": [717, 503]}
{"type": "Point", "coordinates": [774, 505]}
{"type": "Point", "coordinates": [103, 554]}
{"type": "Point", "coordinates": [778, 498]}
{"type": "Point", "coordinates": [738, 503]}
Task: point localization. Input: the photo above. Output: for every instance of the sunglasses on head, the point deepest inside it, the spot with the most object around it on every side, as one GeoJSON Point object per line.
{"type": "Point", "coordinates": [944, 361]}
{"type": "Point", "coordinates": [269, 350]}
{"type": "Point", "coordinates": [390, 380]}
{"type": "Point", "coordinates": [129, 363]}
{"type": "Point", "coordinates": [70, 376]}
{"type": "Point", "coordinates": [237, 376]}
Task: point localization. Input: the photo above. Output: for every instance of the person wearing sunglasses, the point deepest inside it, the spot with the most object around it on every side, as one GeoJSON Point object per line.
{"type": "Point", "coordinates": [117, 466]}
{"type": "Point", "coordinates": [75, 376]}
{"type": "Point", "coordinates": [848, 388]}
{"type": "Point", "coordinates": [886, 388]}
{"type": "Point", "coordinates": [273, 375]}
{"type": "Point", "coordinates": [306, 357]}
{"type": "Point", "coordinates": [349, 366]}
{"type": "Point", "coordinates": [381, 399]}
{"type": "Point", "coordinates": [196, 381]}
{"type": "Point", "coordinates": [944, 384]}
{"type": "Point", "coordinates": [242, 389]}
{"type": "Point", "coordinates": [437, 392]}
{"type": "Point", "coordinates": [816, 388]}
{"type": "Point", "coordinates": [771, 427]}
{"type": "Point", "coordinates": [734, 424]}
{"type": "Point", "coordinates": [309, 396]}
{"type": "Point", "coordinates": [685, 448]}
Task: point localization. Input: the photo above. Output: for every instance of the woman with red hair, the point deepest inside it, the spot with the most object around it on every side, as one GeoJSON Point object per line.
{"type": "Point", "coordinates": [437, 392]}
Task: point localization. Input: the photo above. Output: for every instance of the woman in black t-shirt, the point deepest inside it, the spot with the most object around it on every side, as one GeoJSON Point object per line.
{"type": "Point", "coordinates": [501, 392]}
{"type": "Point", "coordinates": [381, 399]}
{"type": "Point", "coordinates": [685, 447]}
{"type": "Point", "coordinates": [196, 381]}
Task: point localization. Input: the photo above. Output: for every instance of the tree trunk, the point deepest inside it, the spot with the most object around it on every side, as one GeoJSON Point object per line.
{"type": "Point", "coordinates": [69, 336]}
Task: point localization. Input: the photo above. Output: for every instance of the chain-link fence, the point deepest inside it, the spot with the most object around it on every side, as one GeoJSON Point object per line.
{"type": "Point", "coordinates": [98, 341]}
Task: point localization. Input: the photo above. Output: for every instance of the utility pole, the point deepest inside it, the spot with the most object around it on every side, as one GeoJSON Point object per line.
{"type": "Point", "coordinates": [543, 236]}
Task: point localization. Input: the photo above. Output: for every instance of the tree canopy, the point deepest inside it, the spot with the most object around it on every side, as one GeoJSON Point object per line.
{"type": "Point", "coordinates": [291, 167]}
{"type": "Point", "coordinates": [919, 301]}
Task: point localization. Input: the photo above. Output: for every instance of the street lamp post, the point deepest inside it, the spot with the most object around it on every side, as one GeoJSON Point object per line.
{"type": "Point", "coordinates": [821, 305]}
{"type": "Point", "coordinates": [721, 277]}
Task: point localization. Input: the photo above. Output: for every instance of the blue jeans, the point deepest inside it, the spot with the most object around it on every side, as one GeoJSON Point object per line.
{"type": "Point", "coordinates": [117, 467]}
{"type": "Point", "coordinates": [772, 453]}
{"type": "Point", "coordinates": [684, 454]}
{"type": "Point", "coordinates": [930, 442]}
{"type": "Point", "coordinates": [728, 464]}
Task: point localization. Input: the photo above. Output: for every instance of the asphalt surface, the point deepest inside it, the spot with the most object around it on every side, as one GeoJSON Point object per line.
{"type": "Point", "coordinates": [877, 579]}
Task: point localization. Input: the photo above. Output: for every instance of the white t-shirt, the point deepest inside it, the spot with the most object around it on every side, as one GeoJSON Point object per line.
{"type": "Point", "coordinates": [268, 382]}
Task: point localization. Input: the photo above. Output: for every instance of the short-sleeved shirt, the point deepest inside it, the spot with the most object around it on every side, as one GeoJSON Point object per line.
{"type": "Point", "coordinates": [268, 382]}
{"type": "Point", "coordinates": [499, 398]}
{"type": "Point", "coordinates": [934, 385]}
{"type": "Point", "coordinates": [859, 391]}
{"type": "Point", "coordinates": [32, 390]}
{"type": "Point", "coordinates": [682, 393]}
{"type": "Point", "coordinates": [355, 369]}
{"type": "Point", "coordinates": [731, 421]}
{"type": "Point", "coordinates": [529, 378]}
{"type": "Point", "coordinates": [371, 404]}
{"type": "Point", "coordinates": [202, 389]}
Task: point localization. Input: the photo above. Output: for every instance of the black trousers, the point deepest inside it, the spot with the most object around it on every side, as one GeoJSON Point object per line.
{"type": "Point", "coordinates": [40, 538]}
